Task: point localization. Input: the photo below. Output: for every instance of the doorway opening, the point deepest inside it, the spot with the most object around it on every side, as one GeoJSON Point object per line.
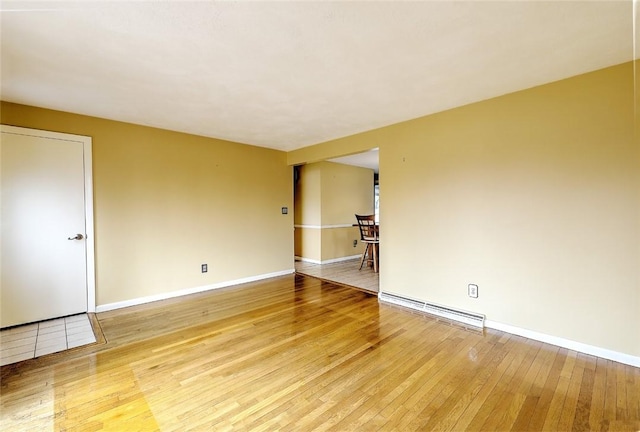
{"type": "Point", "coordinates": [327, 196]}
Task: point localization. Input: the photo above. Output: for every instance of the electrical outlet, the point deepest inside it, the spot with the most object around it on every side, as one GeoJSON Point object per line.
{"type": "Point", "coordinates": [205, 268]}
{"type": "Point", "coordinates": [285, 210]}
{"type": "Point", "coordinates": [355, 243]}
{"type": "Point", "coordinates": [473, 290]}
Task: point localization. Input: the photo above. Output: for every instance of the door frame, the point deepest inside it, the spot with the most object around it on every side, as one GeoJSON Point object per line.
{"type": "Point", "coordinates": [88, 198]}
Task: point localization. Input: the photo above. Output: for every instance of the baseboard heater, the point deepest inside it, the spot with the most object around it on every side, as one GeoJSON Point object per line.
{"type": "Point", "coordinates": [469, 318]}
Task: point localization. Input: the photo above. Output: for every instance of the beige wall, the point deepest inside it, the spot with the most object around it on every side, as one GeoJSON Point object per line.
{"type": "Point", "coordinates": [346, 190]}
{"type": "Point", "coordinates": [338, 243]}
{"type": "Point", "coordinates": [308, 195]}
{"type": "Point", "coordinates": [308, 243]}
{"type": "Point", "coordinates": [308, 211]}
{"type": "Point", "coordinates": [534, 196]}
{"type": "Point", "coordinates": [326, 195]}
{"type": "Point", "coordinates": [166, 202]}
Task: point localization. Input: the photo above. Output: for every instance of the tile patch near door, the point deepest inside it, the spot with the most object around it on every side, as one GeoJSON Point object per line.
{"type": "Point", "coordinates": [45, 337]}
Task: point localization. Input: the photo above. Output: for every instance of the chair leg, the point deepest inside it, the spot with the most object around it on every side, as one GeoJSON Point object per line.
{"type": "Point", "coordinates": [364, 255]}
{"type": "Point", "coordinates": [375, 257]}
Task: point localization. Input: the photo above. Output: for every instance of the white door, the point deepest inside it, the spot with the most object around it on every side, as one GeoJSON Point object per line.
{"type": "Point", "coordinates": [43, 261]}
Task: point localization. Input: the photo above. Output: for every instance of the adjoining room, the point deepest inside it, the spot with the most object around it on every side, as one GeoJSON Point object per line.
{"type": "Point", "coordinates": [327, 197]}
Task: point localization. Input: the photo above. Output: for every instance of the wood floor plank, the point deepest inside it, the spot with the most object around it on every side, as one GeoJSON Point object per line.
{"type": "Point", "coordinates": [408, 394]}
{"type": "Point", "coordinates": [598, 395]}
{"type": "Point", "coordinates": [621, 393]}
{"type": "Point", "coordinates": [557, 401]}
{"type": "Point", "coordinates": [570, 405]}
{"type": "Point", "coordinates": [454, 398]}
{"type": "Point", "coordinates": [298, 353]}
{"type": "Point", "coordinates": [633, 402]}
{"type": "Point", "coordinates": [583, 406]}
{"type": "Point", "coordinates": [610, 400]}
{"type": "Point", "coordinates": [531, 385]}
{"type": "Point", "coordinates": [547, 391]}
{"type": "Point", "coordinates": [494, 384]}
{"type": "Point", "coordinates": [380, 381]}
{"type": "Point", "coordinates": [504, 389]}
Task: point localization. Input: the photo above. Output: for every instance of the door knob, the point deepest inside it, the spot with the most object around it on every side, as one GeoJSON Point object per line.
{"type": "Point", "coordinates": [77, 237]}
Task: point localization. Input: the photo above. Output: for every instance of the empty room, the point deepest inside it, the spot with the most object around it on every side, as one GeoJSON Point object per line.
{"type": "Point", "coordinates": [370, 215]}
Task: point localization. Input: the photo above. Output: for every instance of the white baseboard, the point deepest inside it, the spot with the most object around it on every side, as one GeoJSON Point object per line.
{"type": "Point", "coordinates": [172, 294]}
{"type": "Point", "coordinates": [330, 261]}
{"type": "Point", "coordinates": [566, 343]}
{"type": "Point", "coordinates": [309, 260]}
{"type": "Point", "coordinates": [326, 226]}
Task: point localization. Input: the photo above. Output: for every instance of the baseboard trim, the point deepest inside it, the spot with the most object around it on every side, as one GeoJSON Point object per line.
{"type": "Point", "coordinates": [321, 227]}
{"type": "Point", "coordinates": [329, 261]}
{"type": "Point", "coordinates": [308, 260]}
{"type": "Point", "coordinates": [179, 293]}
{"type": "Point", "coordinates": [566, 343]}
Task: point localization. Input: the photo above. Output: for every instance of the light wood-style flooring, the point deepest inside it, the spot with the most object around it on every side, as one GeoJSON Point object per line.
{"type": "Point", "coordinates": [344, 272]}
{"type": "Point", "coordinates": [297, 353]}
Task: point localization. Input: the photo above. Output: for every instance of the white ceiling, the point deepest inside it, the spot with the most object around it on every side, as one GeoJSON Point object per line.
{"type": "Point", "coordinates": [286, 75]}
{"type": "Point", "coordinates": [367, 159]}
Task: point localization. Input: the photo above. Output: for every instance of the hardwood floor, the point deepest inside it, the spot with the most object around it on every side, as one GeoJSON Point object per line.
{"type": "Point", "coordinates": [297, 353]}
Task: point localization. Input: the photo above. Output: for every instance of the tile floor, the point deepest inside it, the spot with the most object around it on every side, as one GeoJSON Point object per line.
{"type": "Point", "coordinates": [45, 337]}
{"type": "Point", "coordinates": [345, 272]}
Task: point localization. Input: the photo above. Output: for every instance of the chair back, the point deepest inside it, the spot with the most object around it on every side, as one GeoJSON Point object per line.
{"type": "Point", "coordinates": [369, 230]}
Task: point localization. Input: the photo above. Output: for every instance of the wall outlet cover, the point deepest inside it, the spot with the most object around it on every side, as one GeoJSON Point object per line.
{"type": "Point", "coordinates": [473, 290]}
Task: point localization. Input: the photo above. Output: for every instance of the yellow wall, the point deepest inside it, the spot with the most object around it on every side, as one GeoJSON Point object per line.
{"type": "Point", "coordinates": [308, 211]}
{"type": "Point", "coordinates": [534, 196]}
{"type": "Point", "coordinates": [308, 243]}
{"type": "Point", "coordinates": [327, 197]}
{"type": "Point", "coordinates": [338, 243]}
{"type": "Point", "coordinates": [308, 195]}
{"type": "Point", "coordinates": [166, 202]}
{"type": "Point", "coordinates": [346, 190]}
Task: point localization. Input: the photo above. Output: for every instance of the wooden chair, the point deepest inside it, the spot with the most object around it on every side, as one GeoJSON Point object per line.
{"type": "Point", "coordinates": [369, 235]}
